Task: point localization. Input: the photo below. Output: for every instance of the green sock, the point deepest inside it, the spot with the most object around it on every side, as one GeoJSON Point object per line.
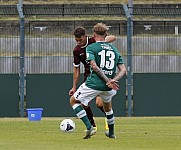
{"type": "Point", "coordinates": [86, 122]}
{"type": "Point", "coordinates": [81, 113]}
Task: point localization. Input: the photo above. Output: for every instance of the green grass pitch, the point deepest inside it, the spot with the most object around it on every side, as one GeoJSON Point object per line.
{"type": "Point", "coordinates": [133, 133]}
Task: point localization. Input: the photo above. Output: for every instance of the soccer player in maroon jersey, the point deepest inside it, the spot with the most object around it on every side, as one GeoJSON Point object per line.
{"type": "Point", "coordinates": [79, 54]}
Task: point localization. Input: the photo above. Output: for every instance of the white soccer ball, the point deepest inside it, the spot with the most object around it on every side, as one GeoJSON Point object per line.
{"type": "Point", "coordinates": [67, 125]}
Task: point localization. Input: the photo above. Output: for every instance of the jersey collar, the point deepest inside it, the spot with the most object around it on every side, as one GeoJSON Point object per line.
{"type": "Point", "coordinates": [85, 44]}
{"type": "Point", "coordinates": [100, 41]}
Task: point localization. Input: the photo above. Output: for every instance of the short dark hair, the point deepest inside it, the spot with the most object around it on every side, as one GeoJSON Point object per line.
{"type": "Point", "coordinates": [79, 31]}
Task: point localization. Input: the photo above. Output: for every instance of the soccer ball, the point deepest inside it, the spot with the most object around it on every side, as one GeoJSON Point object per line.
{"type": "Point", "coordinates": [67, 125]}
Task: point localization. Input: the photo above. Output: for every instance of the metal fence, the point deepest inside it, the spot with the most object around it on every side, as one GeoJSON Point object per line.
{"type": "Point", "coordinates": [64, 10]}
{"type": "Point", "coordinates": [156, 10]}
{"type": "Point", "coordinates": [49, 44]}
{"type": "Point", "coordinates": [48, 49]}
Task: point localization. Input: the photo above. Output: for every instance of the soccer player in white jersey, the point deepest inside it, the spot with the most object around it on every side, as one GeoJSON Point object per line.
{"type": "Point", "coordinates": [104, 59]}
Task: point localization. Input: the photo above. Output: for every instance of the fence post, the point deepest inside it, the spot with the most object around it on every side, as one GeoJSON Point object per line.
{"type": "Point", "coordinates": [129, 59]}
{"type": "Point", "coordinates": [22, 49]}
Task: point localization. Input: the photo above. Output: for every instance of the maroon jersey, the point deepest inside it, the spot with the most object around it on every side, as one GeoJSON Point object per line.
{"type": "Point", "coordinates": [80, 56]}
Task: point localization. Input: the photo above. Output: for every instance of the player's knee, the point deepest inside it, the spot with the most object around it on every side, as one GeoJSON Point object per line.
{"type": "Point", "coordinates": [99, 104]}
{"type": "Point", "coordinates": [72, 100]}
{"type": "Point", "coordinates": [85, 107]}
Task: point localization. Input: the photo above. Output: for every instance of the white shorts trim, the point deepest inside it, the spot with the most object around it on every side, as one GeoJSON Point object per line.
{"type": "Point", "coordinates": [76, 65]}
{"type": "Point", "coordinates": [85, 94]}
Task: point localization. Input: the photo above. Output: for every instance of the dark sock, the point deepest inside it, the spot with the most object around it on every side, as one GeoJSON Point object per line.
{"type": "Point", "coordinates": [101, 108]}
{"type": "Point", "coordinates": [111, 129]}
{"type": "Point", "coordinates": [90, 115]}
{"type": "Point", "coordinates": [110, 120]}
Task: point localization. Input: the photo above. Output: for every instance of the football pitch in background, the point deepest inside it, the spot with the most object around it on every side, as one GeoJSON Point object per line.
{"type": "Point", "coordinates": [133, 133]}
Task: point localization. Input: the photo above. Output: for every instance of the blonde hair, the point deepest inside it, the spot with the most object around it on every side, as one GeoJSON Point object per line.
{"type": "Point", "coordinates": [100, 29]}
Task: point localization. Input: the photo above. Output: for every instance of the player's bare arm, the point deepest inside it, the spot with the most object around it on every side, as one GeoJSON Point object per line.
{"type": "Point", "coordinates": [98, 71]}
{"type": "Point", "coordinates": [76, 76]}
{"type": "Point", "coordinates": [110, 38]}
{"type": "Point", "coordinates": [121, 72]}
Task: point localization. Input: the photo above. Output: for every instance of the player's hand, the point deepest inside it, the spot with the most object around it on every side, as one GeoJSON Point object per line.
{"type": "Point", "coordinates": [113, 84]}
{"type": "Point", "coordinates": [72, 91]}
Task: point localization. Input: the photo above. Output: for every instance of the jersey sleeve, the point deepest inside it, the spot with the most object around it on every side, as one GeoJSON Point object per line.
{"type": "Point", "coordinates": [90, 53]}
{"type": "Point", "coordinates": [120, 58]}
{"type": "Point", "coordinates": [76, 61]}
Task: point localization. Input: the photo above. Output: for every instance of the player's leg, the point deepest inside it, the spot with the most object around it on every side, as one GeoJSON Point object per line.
{"type": "Point", "coordinates": [81, 114]}
{"type": "Point", "coordinates": [110, 119]}
{"type": "Point", "coordinates": [90, 115]}
{"type": "Point", "coordinates": [107, 104]}
{"type": "Point", "coordinates": [99, 104]}
{"type": "Point", "coordinates": [81, 97]}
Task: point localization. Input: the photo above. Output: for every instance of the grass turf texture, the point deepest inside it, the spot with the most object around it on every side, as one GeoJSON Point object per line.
{"type": "Point", "coordinates": [133, 133]}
